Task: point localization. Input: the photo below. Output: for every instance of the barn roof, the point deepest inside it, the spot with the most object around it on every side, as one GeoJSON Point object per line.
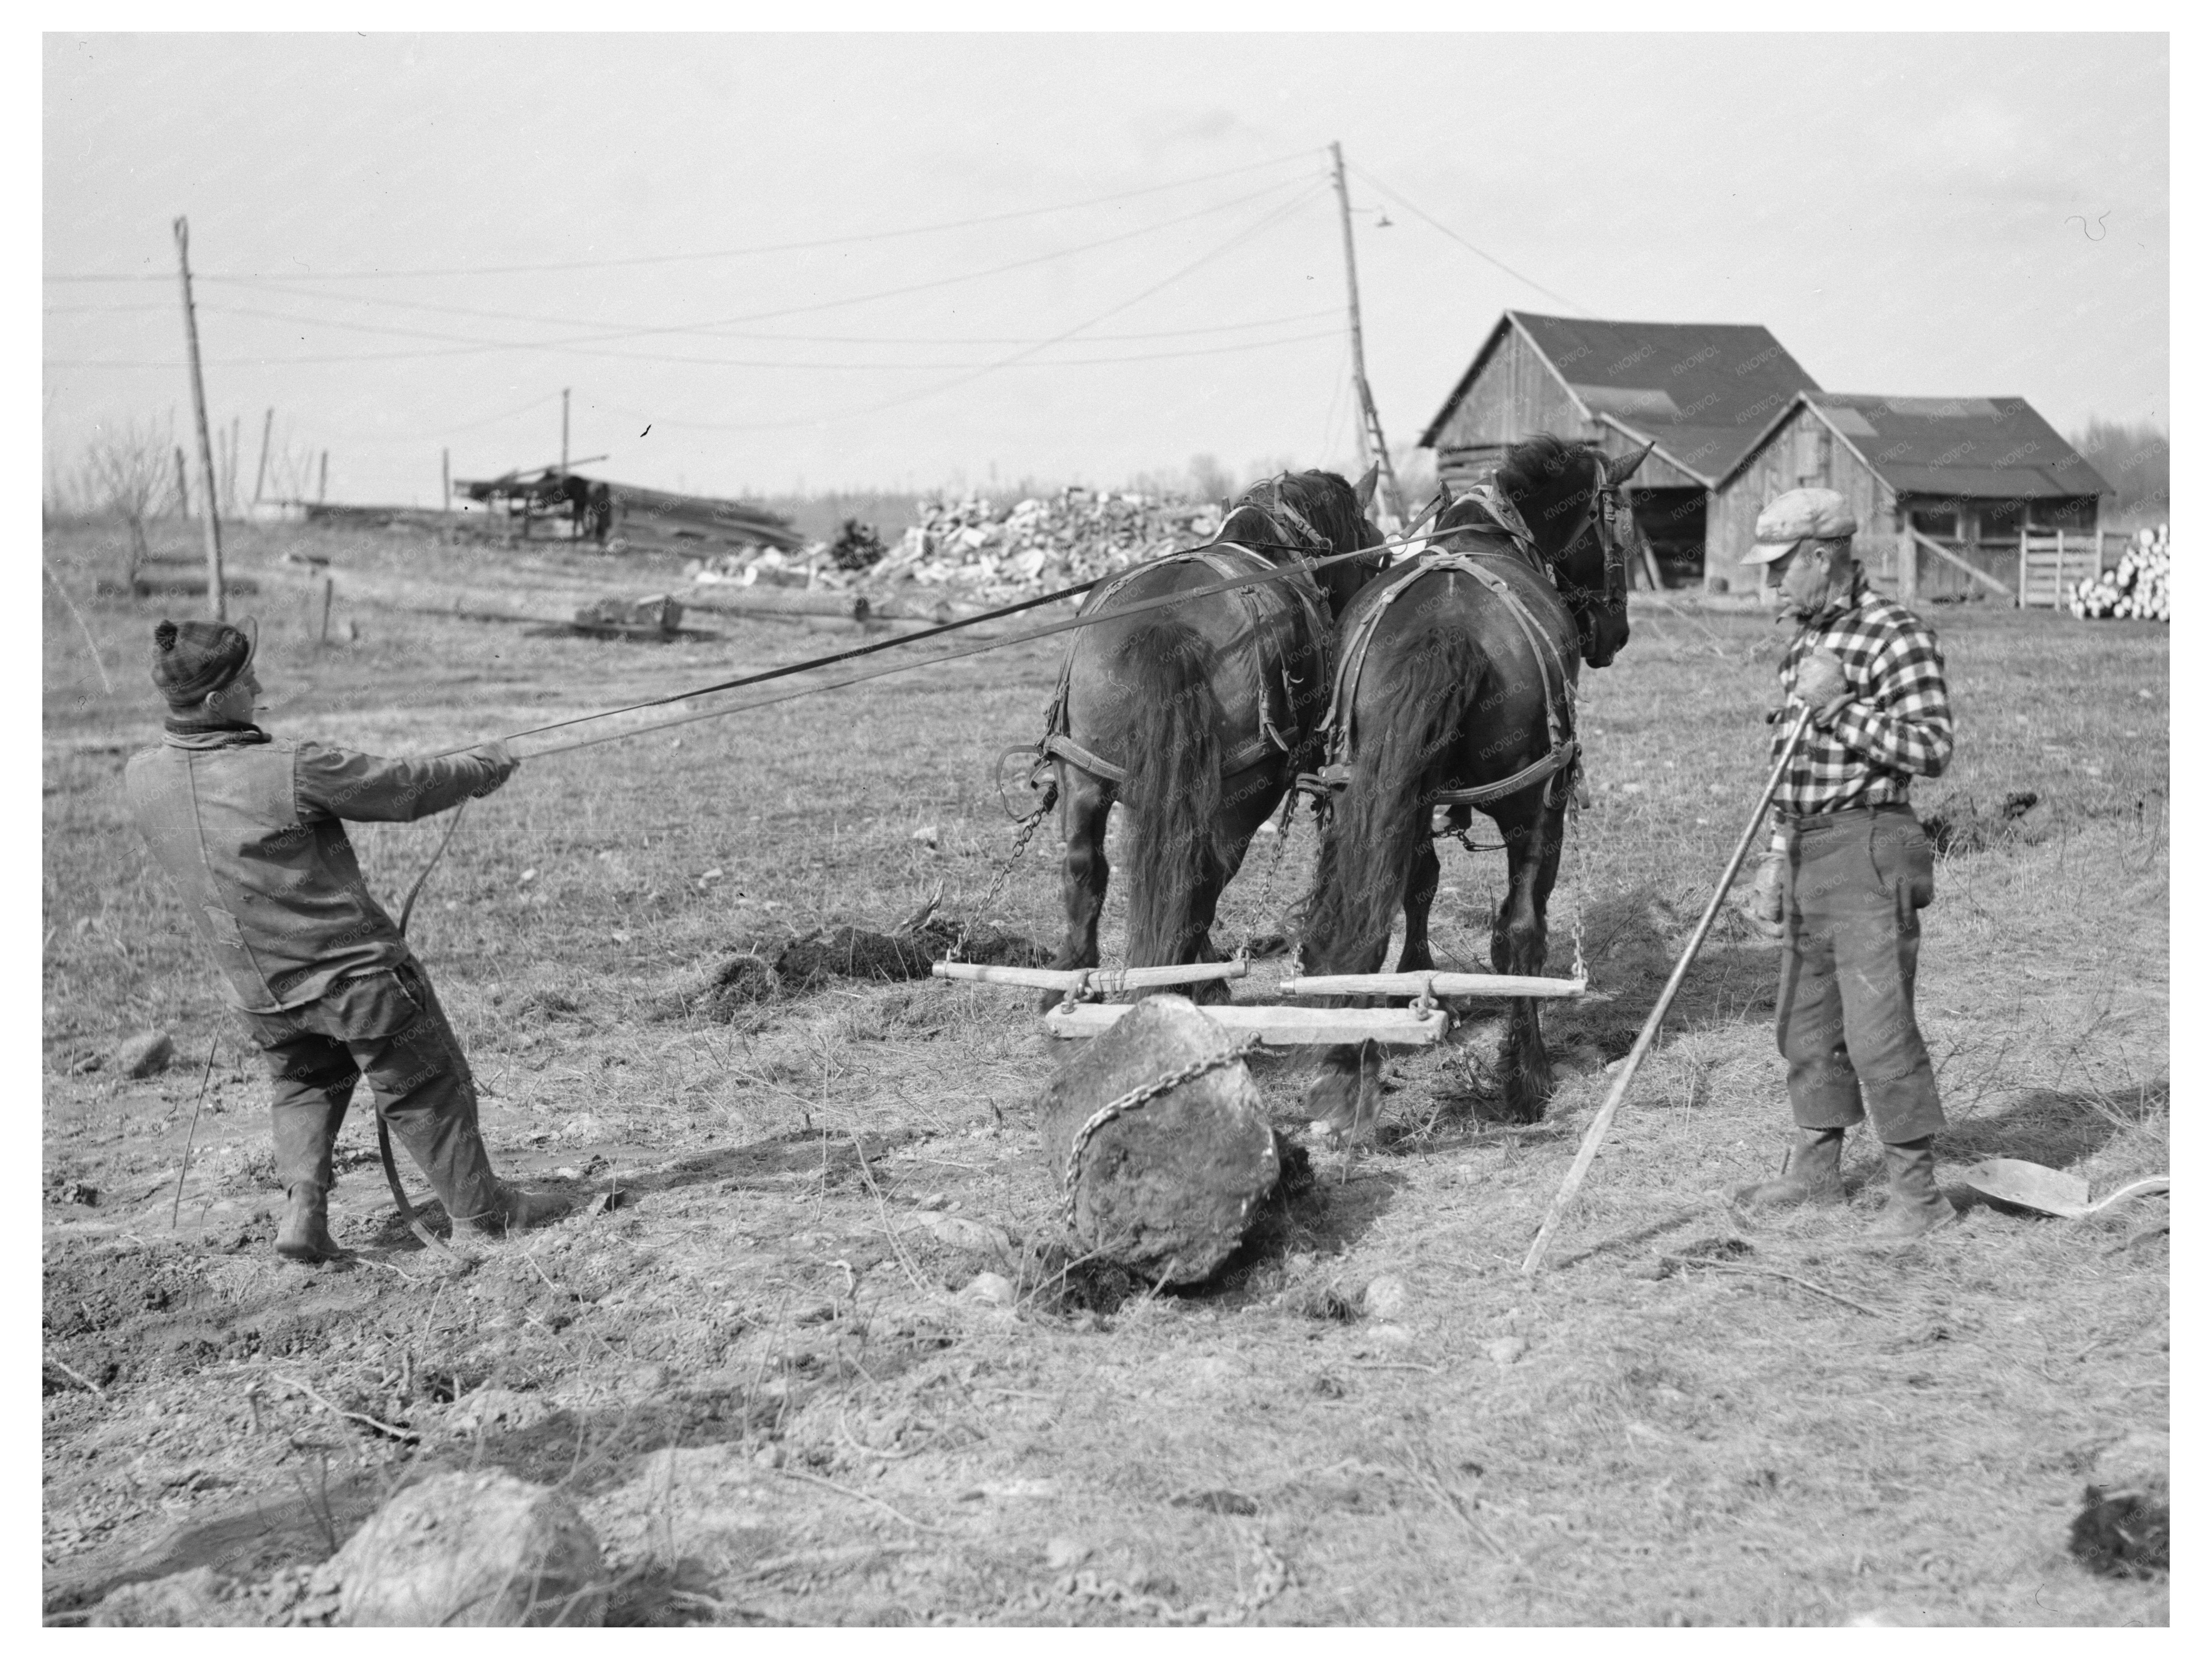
{"type": "Point", "coordinates": [1703, 391]}
{"type": "Point", "coordinates": [1973, 446]}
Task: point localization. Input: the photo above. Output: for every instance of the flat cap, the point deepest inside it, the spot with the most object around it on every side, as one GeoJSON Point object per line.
{"type": "Point", "coordinates": [1792, 516]}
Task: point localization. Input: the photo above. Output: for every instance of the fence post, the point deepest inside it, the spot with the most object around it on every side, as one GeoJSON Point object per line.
{"type": "Point", "coordinates": [2019, 590]}
{"type": "Point", "coordinates": [1908, 567]}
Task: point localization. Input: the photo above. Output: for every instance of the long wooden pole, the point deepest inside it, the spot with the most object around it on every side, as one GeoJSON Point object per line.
{"type": "Point", "coordinates": [1369, 421]}
{"type": "Point", "coordinates": [261, 466]}
{"type": "Point", "coordinates": [1594, 1136]}
{"type": "Point", "coordinates": [211, 525]}
{"type": "Point", "coordinates": [564, 431]}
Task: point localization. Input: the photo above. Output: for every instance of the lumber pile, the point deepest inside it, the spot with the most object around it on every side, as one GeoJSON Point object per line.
{"type": "Point", "coordinates": [2135, 587]}
{"type": "Point", "coordinates": [998, 553]}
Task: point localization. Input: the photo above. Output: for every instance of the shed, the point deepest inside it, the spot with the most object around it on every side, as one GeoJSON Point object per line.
{"type": "Point", "coordinates": [1701, 393]}
{"type": "Point", "coordinates": [1943, 488]}
{"type": "Point", "coordinates": [638, 517]}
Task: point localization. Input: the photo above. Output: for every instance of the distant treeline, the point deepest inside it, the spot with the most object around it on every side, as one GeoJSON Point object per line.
{"type": "Point", "coordinates": [2133, 456]}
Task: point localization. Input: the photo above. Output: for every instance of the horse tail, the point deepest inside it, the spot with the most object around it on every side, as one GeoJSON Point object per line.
{"type": "Point", "coordinates": [1423, 691]}
{"type": "Point", "coordinates": [1173, 741]}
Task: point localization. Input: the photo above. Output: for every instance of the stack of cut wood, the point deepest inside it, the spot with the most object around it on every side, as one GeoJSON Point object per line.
{"type": "Point", "coordinates": [997, 553]}
{"type": "Point", "coordinates": [2135, 587]}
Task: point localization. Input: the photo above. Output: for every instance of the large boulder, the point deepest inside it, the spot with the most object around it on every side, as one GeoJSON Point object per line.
{"type": "Point", "coordinates": [1168, 1188]}
{"type": "Point", "coordinates": [479, 1548]}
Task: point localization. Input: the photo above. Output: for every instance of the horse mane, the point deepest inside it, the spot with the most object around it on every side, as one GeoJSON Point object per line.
{"type": "Point", "coordinates": [1322, 500]}
{"type": "Point", "coordinates": [1535, 477]}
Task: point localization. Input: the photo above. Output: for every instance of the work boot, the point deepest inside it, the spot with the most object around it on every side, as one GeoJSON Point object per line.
{"type": "Point", "coordinates": [1916, 1208]}
{"type": "Point", "coordinates": [1815, 1175]}
{"type": "Point", "coordinates": [512, 1210]}
{"type": "Point", "coordinates": [304, 1235]}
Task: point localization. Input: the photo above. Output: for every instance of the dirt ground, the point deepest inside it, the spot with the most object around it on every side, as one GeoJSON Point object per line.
{"type": "Point", "coordinates": [755, 1370]}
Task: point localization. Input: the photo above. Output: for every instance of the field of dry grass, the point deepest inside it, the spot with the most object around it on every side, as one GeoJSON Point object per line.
{"type": "Point", "coordinates": [757, 1374]}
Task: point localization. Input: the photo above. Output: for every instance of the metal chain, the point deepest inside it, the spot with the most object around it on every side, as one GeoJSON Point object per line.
{"type": "Point", "coordinates": [1138, 1096]}
{"type": "Point", "coordinates": [1024, 831]}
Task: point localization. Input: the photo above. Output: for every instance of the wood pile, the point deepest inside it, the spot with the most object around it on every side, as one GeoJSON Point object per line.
{"type": "Point", "coordinates": [996, 553]}
{"type": "Point", "coordinates": [2136, 587]}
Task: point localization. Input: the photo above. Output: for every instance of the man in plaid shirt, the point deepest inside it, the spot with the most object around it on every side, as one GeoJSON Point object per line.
{"type": "Point", "coordinates": [1850, 868]}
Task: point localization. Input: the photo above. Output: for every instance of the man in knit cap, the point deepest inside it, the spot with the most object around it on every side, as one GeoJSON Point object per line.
{"type": "Point", "coordinates": [1850, 868]}
{"type": "Point", "coordinates": [249, 828]}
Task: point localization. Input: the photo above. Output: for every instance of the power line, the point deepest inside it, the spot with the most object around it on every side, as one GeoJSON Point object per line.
{"type": "Point", "coordinates": [472, 347]}
{"type": "Point", "coordinates": [1439, 225]}
{"type": "Point", "coordinates": [734, 334]}
{"type": "Point", "coordinates": [718, 253]}
{"type": "Point", "coordinates": [1267, 221]}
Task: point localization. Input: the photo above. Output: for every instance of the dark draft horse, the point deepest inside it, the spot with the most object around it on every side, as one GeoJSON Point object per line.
{"type": "Point", "coordinates": [1198, 716]}
{"type": "Point", "coordinates": [1453, 691]}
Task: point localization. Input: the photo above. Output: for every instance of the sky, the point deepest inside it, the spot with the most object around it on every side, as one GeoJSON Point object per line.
{"type": "Point", "coordinates": [770, 263]}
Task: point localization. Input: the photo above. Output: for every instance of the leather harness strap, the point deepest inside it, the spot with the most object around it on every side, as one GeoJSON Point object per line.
{"type": "Point", "coordinates": [1564, 751]}
{"type": "Point", "coordinates": [1230, 560]}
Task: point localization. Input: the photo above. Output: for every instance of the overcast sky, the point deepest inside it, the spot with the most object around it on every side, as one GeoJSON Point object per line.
{"type": "Point", "coordinates": [904, 261]}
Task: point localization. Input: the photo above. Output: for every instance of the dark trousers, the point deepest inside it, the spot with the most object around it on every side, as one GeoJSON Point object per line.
{"type": "Point", "coordinates": [388, 1027]}
{"type": "Point", "coordinates": [1858, 880]}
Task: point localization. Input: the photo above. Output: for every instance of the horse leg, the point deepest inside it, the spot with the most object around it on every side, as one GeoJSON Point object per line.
{"type": "Point", "coordinates": [1413, 957]}
{"type": "Point", "coordinates": [1517, 946]}
{"type": "Point", "coordinates": [1084, 803]}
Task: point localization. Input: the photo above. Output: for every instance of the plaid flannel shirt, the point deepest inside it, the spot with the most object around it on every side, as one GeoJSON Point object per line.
{"type": "Point", "coordinates": [1897, 724]}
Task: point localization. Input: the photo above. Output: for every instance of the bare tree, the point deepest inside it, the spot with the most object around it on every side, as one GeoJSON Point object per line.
{"type": "Point", "coordinates": [127, 472]}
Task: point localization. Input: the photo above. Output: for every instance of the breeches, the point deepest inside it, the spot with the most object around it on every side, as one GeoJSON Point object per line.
{"type": "Point", "coordinates": [388, 1027]}
{"type": "Point", "coordinates": [1844, 1019]}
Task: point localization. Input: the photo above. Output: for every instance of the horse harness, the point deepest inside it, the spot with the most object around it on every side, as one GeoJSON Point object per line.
{"type": "Point", "coordinates": [1277, 684]}
{"type": "Point", "coordinates": [1564, 758]}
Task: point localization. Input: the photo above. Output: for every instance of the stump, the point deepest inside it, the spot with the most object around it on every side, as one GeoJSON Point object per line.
{"type": "Point", "coordinates": [1169, 1188]}
{"type": "Point", "coordinates": [472, 1549]}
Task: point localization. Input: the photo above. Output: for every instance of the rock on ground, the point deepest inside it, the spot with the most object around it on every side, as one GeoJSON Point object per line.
{"type": "Point", "coordinates": [1169, 1188]}
{"type": "Point", "coordinates": [145, 1054]}
{"type": "Point", "coordinates": [196, 1597]}
{"type": "Point", "coordinates": [472, 1549]}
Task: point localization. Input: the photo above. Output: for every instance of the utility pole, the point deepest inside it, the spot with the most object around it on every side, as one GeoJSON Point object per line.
{"type": "Point", "coordinates": [323, 480]}
{"type": "Point", "coordinates": [1371, 444]}
{"type": "Point", "coordinates": [446, 476]}
{"type": "Point", "coordinates": [210, 523]}
{"type": "Point", "coordinates": [184, 489]}
{"type": "Point", "coordinates": [261, 466]}
{"type": "Point", "coordinates": [564, 431]}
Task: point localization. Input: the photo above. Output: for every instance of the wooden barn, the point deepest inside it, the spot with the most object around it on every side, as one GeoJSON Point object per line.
{"type": "Point", "coordinates": [1702, 392]}
{"type": "Point", "coordinates": [1955, 497]}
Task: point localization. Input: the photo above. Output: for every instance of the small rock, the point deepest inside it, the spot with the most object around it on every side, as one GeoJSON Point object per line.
{"type": "Point", "coordinates": [479, 1549]}
{"type": "Point", "coordinates": [525, 878]}
{"type": "Point", "coordinates": [769, 1457]}
{"type": "Point", "coordinates": [1065, 1554]}
{"type": "Point", "coordinates": [1505, 1350]}
{"type": "Point", "coordinates": [1385, 1297]}
{"type": "Point", "coordinates": [145, 1054]}
{"type": "Point", "coordinates": [181, 1599]}
{"type": "Point", "coordinates": [995, 1288]}
{"type": "Point", "coordinates": [927, 835]}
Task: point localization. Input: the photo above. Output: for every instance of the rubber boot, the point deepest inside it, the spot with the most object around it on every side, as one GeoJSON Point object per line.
{"type": "Point", "coordinates": [304, 1133]}
{"type": "Point", "coordinates": [1916, 1208]}
{"type": "Point", "coordinates": [1815, 1175]}
{"type": "Point", "coordinates": [304, 1235]}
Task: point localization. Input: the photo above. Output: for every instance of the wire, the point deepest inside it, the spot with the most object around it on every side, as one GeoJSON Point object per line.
{"type": "Point", "coordinates": [719, 253]}
{"type": "Point", "coordinates": [479, 348]}
{"type": "Point", "coordinates": [731, 334]}
{"type": "Point", "coordinates": [1439, 225]}
{"type": "Point", "coordinates": [1267, 222]}
{"type": "Point", "coordinates": [740, 362]}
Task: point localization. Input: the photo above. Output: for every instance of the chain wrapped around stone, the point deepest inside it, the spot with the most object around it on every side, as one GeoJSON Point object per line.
{"type": "Point", "coordinates": [1139, 1097]}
